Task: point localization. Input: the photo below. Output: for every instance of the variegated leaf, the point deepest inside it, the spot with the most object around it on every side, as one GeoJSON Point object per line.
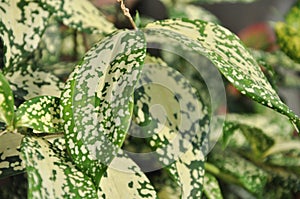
{"type": "Point", "coordinates": [287, 33]}
{"type": "Point", "coordinates": [234, 168]}
{"type": "Point", "coordinates": [276, 59]}
{"type": "Point", "coordinates": [171, 2]}
{"type": "Point", "coordinates": [21, 26]}
{"type": "Point", "coordinates": [175, 133]}
{"type": "Point", "coordinates": [27, 83]}
{"type": "Point", "coordinates": [128, 182]}
{"type": "Point", "coordinates": [41, 114]}
{"type": "Point", "coordinates": [79, 14]}
{"type": "Point", "coordinates": [228, 54]}
{"type": "Point", "coordinates": [50, 172]}
{"type": "Point", "coordinates": [192, 12]}
{"type": "Point", "coordinates": [211, 187]}
{"type": "Point", "coordinates": [97, 101]}
{"type": "Point", "coordinates": [10, 160]}
{"type": "Point", "coordinates": [6, 102]}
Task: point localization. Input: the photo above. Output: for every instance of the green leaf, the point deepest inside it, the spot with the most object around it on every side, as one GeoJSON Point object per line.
{"type": "Point", "coordinates": [175, 133]}
{"type": "Point", "coordinates": [6, 102]}
{"type": "Point", "coordinates": [41, 114]}
{"type": "Point", "coordinates": [228, 54]}
{"type": "Point", "coordinates": [288, 38]}
{"type": "Point", "coordinates": [11, 162]}
{"type": "Point", "coordinates": [50, 172]}
{"type": "Point", "coordinates": [28, 83]}
{"type": "Point", "coordinates": [192, 12]}
{"type": "Point", "coordinates": [276, 59]}
{"type": "Point", "coordinates": [211, 187]}
{"type": "Point", "coordinates": [126, 181]}
{"type": "Point", "coordinates": [81, 15]}
{"type": "Point", "coordinates": [259, 142]}
{"type": "Point", "coordinates": [242, 171]}
{"type": "Point", "coordinates": [21, 26]}
{"type": "Point", "coordinates": [106, 78]}
{"type": "Point", "coordinates": [171, 2]}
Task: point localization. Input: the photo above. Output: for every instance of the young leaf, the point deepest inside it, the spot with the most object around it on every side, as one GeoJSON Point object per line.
{"type": "Point", "coordinates": [128, 182]}
{"type": "Point", "coordinates": [50, 172]}
{"type": "Point", "coordinates": [106, 78]}
{"type": "Point", "coordinates": [41, 114]}
{"type": "Point", "coordinates": [21, 26]}
{"type": "Point", "coordinates": [228, 54]}
{"type": "Point", "coordinates": [211, 187]}
{"type": "Point", "coordinates": [175, 133]}
{"type": "Point", "coordinates": [6, 102]}
{"type": "Point", "coordinates": [11, 162]}
{"type": "Point", "coordinates": [28, 83]}
{"type": "Point", "coordinates": [79, 14]}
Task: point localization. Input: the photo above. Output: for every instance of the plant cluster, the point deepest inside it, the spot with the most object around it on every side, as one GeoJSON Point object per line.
{"type": "Point", "coordinates": [74, 89]}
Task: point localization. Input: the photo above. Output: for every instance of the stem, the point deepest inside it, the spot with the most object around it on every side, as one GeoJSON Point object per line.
{"type": "Point", "coordinates": [3, 132]}
{"type": "Point", "coordinates": [127, 13]}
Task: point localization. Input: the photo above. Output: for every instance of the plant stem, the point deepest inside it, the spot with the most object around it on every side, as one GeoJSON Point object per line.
{"type": "Point", "coordinates": [127, 13]}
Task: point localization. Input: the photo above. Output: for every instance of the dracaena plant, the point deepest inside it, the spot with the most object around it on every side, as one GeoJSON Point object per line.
{"type": "Point", "coordinates": [70, 136]}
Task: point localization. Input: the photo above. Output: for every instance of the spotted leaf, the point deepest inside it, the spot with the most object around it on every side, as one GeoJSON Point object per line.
{"type": "Point", "coordinates": [174, 132]}
{"type": "Point", "coordinates": [21, 26]}
{"type": "Point", "coordinates": [97, 101]}
{"type": "Point", "coordinates": [171, 2]}
{"type": "Point", "coordinates": [124, 179]}
{"type": "Point", "coordinates": [10, 155]}
{"type": "Point", "coordinates": [211, 187]}
{"type": "Point", "coordinates": [27, 83]}
{"type": "Point", "coordinates": [79, 14]}
{"type": "Point", "coordinates": [192, 12]}
{"type": "Point", "coordinates": [6, 102]}
{"type": "Point", "coordinates": [238, 170]}
{"type": "Point", "coordinates": [50, 172]}
{"type": "Point", "coordinates": [228, 54]}
{"type": "Point", "coordinates": [41, 114]}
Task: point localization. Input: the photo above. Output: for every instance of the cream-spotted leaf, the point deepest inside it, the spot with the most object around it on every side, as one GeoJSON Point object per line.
{"type": "Point", "coordinates": [41, 114]}
{"type": "Point", "coordinates": [79, 14]}
{"type": "Point", "coordinates": [168, 112]}
{"type": "Point", "coordinates": [51, 174]}
{"type": "Point", "coordinates": [27, 82]}
{"type": "Point", "coordinates": [125, 181]}
{"type": "Point", "coordinates": [6, 101]}
{"type": "Point", "coordinates": [239, 170]}
{"type": "Point", "coordinates": [11, 162]}
{"type": "Point", "coordinates": [21, 26]}
{"type": "Point", "coordinates": [171, 2]}
{"type": "Point", "coordinates": [228, 54]}
{"type": "Point", "coordinates": [211, 187]}
{"type": "Point", "coordinates": [97, 101]}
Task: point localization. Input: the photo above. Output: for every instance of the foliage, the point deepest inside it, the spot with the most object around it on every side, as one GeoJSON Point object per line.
{"type": "Point", "coordinates": [70, 137]}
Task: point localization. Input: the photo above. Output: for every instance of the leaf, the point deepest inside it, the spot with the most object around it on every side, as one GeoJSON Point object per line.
{"type": "Point", "coordinates": [41, 114]}
{"type": "Point", "coordinates": [211, 187]}
{"type": "Point", "coordinates": [11, 162]}
{"type": "Point", "coordinates": [171, 2]}
{"type": "Point", "coordinates": [124, 179]}
{"type": "Point", "coordinates": [241, 170]}
{"type": "Point", "coordinates": [288, 39]}
{"type": "Point", "coordinates": [228, 54]}
{"type": "Point", "coordinates": [6, 102]}
{"type": "Point", "coordinates": [175, 133]}
{"type": "Point", "coordinates": [276, 59]}
{"type": "Point", "coordinates": [192, 12]}
{"type": "Point", "coordinates": [106, 78]}
{"type": "Point", "coordinates": [259, 142]}
{"type": "Point", "coordinates": [80, 15]}
{"type": "Point", "coordinates": [50, 172]}
{"type": "Point", "coordinates": [28, 83]}
{"type": "Point", "coordinates": [21, 26]}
